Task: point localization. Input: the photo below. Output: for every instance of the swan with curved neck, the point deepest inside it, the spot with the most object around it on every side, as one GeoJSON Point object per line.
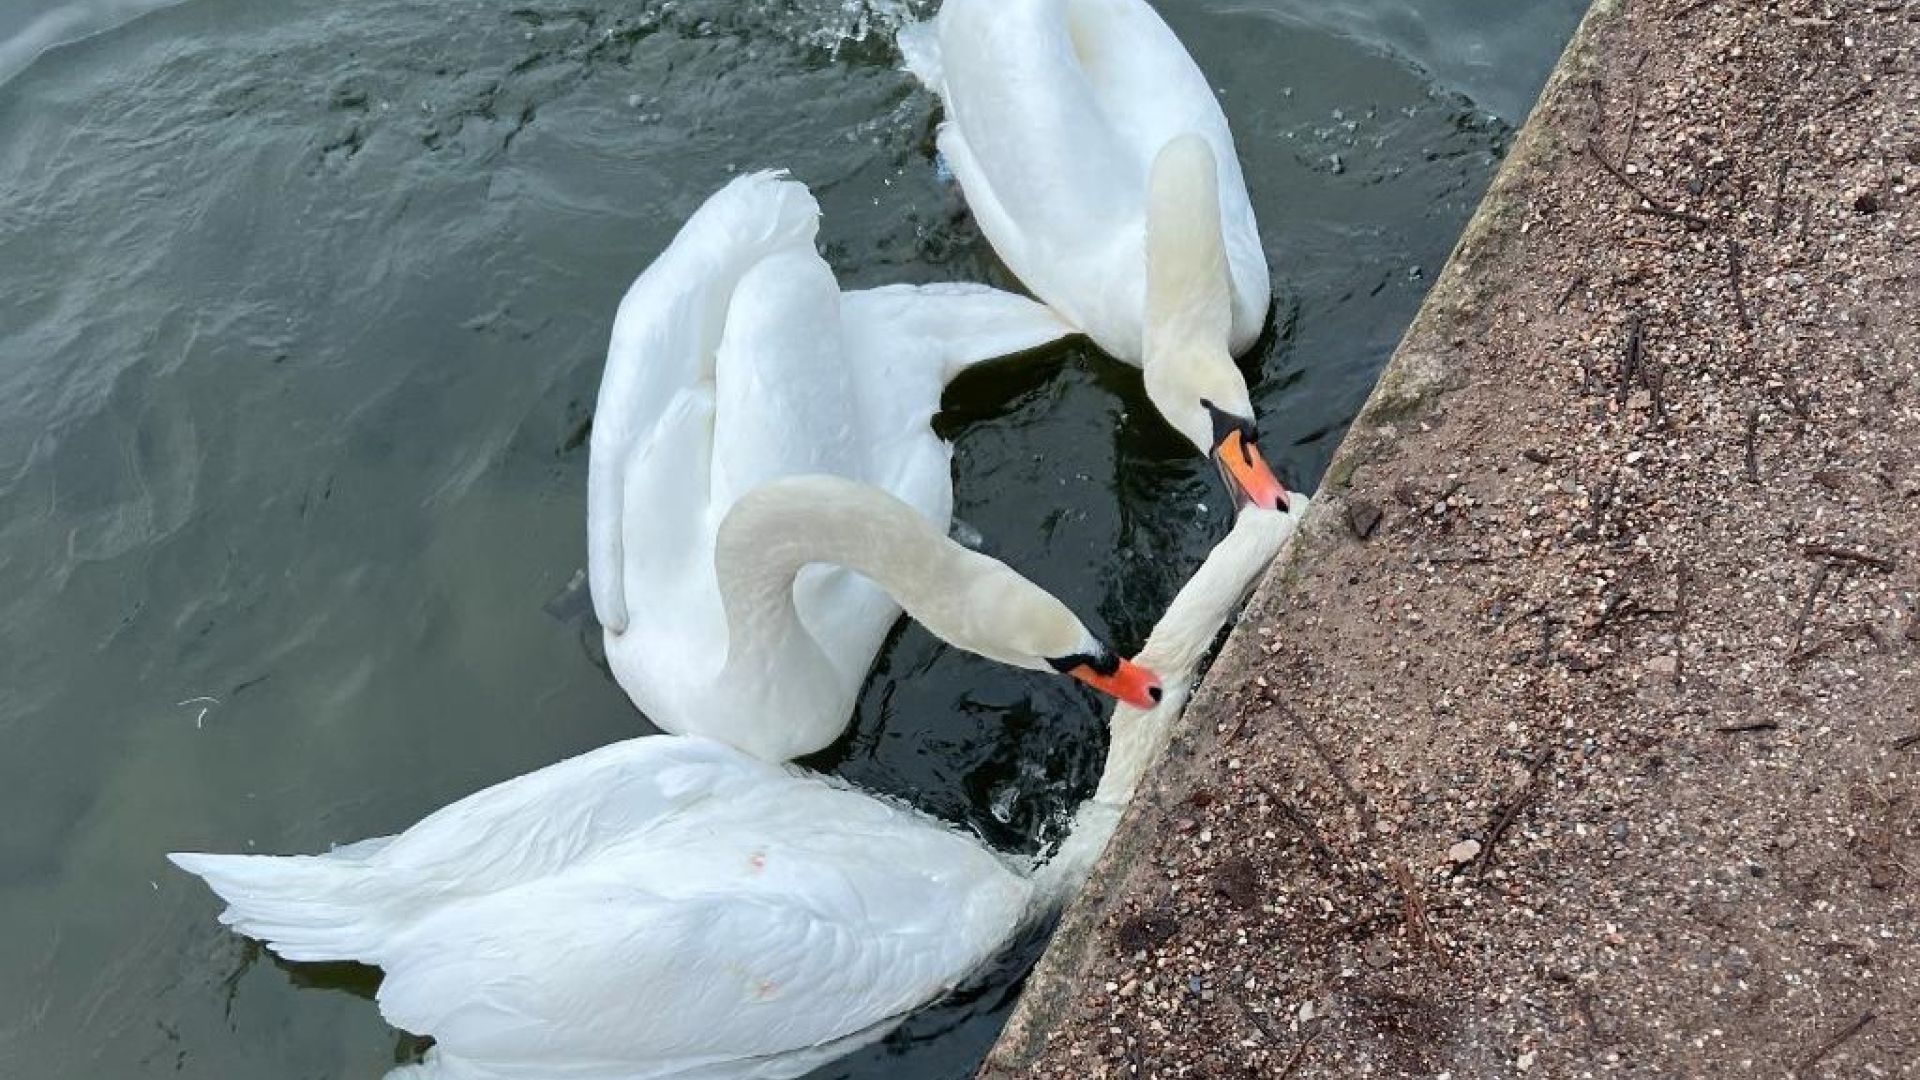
{"type": "Point", "coordinates": [1098, 163]}
{"type": "Point", "coordinates": [966, 599]}
{"type": "Point", "coordinates": [735, 359]}
{"type": "Point", "coordinates": [670, 907]}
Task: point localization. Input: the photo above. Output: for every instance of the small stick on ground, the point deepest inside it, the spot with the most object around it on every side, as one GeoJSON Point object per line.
{"type": "Point", "coordinates": [1303, 823]}
{"type": "Point", "coordinates": [1654, 378]}
{"type": "Point", "coordinates": [1299, 1052]}
{"type": "Point", "coordinates": [1573, 286]}
{"type": "Point", "coordinates": [1780, 193]}
{"type": "Point", "coordinates": [1339, 775]}
{"type": "Point", "coordinates": [1799, 627]}
{"type": "Point", "coordinates": [1832, 1044]}
{"type": "Point", "coordinates": [1734, 251]}
{"type": "Point", "coordinates": [1655, 207]}
{"type": "Point", "coordinates": [1865, 558]}
{"type": "Point", "coordinates": [1752, 725]}
{"type": "Point", "coordinates": [1258, 1021]}
{"type": "Point", "coordinates": [1753, 446]}
{"type": "Point", "coordinates": [1519, 801]}
{"type": "Point", "coordinates": [1415, 912]}
{"type": "Point", "coordinates": [1907, 742]}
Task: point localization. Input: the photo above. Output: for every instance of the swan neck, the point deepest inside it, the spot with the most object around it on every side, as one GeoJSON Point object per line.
{"type": "Point", "coordinates": [777, 529]}
{"type": "Point", "coordinates": [1175, 649]}
{"type": "Point", "coordinates": [1189, 286]}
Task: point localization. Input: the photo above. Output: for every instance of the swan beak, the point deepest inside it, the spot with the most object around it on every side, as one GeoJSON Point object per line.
{"type": "Point", "coordinates": [1128, 682]}
{"type": "Point", "coordinates": [1246, 473]}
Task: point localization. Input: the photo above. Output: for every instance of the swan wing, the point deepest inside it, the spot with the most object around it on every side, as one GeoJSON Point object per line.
{"type": "Point", "coordinates": [785, 917]}
{"type": "Point", "coordinates": [904, 344]}
{"type": "Point", "coordinates": [665, 340]}
{"type": "Point", "coordinates": [539, 823]}
{"type": "Point", "coordinates": [784, 398]}
{"type": "Point", "coordinates": [1049, 180]}
{"type": "Point", "coordinates": [359, 901]}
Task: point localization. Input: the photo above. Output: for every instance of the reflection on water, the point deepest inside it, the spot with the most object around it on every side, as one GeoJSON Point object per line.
{"type": "Point", "coordinates": [302, 310]}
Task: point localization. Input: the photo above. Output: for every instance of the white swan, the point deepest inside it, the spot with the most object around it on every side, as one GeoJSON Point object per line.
{"type": "Point", "coordinates": [1097, 162]}
{"type": "Point", "coordinates": [671, 907]}
{"type": "Point", "coordinates": [736, 359]}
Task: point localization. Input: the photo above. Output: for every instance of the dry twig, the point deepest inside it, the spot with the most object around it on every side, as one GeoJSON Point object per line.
{"type": "Point", "coordinates": [1820, 1053]}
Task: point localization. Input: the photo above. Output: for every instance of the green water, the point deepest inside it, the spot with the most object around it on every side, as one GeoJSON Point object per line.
{"type": "Point", "coordinates": [302, 310]}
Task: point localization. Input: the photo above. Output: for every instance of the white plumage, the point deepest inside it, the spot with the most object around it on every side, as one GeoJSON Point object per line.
{"type": "Point", "coordinates": [662, 907]}
{"type": "Point", "coordinates": [1056, 112]}
{"type": "Point", "coordinates": [670, 907]}
{"type": "Point", "coordinates": [735, 359]}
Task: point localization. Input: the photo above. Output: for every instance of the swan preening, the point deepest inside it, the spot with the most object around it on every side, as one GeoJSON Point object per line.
{"type": "Point", "coordinates": [670, 906]}
{"type": "Point", "coordinates": [765, 497]}
{"type": "Point", "coordinates": [1098, 163]}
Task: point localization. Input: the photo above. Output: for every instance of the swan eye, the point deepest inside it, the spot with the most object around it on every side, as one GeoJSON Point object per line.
{"type": "Point", "coordinates": [1226, 425]}
{"type": "Point", "coordinates": [1102, 663]}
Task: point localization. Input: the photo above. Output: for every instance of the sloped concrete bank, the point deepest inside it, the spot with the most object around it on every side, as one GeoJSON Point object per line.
{"type": "Point", "coordinates": [1576, 735]}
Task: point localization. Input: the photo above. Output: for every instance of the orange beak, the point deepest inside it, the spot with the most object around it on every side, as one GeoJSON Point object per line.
{"type": "Point", "coordinates": [1129, 682]}
{"type": "Point", "coordinates": [1246, 473]}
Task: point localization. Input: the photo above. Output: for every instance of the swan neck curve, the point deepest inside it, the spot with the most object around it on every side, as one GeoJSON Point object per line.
{"type": "Point", "coordinates": [1179, 642]}
{"type": "Point", "coordinates": [1186, 353]}
{"type": "Point", "coordinates": [781, 527]}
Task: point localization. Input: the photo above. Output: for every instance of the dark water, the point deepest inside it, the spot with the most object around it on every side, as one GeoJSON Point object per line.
{"type": "Point", "coordinates": [302, 309]}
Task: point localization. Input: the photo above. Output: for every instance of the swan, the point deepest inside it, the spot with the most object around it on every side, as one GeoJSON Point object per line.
{"type": "Point", "coordinates": [735, 359]}
{"type": "Point", "coordinates": [1098, 164]}
{"type": "Point", "coordinates": [672, 907]}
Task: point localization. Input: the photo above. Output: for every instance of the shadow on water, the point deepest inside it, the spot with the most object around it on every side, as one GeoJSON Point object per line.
{"type": "Point", "coordinates": [302, 310]}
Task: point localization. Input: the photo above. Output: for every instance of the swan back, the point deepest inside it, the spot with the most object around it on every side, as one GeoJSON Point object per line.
{"type": "Point", "coordinates": [660, 907]}
{"type": "Point", "coordinates": [1056, 110]}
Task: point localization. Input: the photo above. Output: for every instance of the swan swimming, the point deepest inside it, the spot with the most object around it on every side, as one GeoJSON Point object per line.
{"type": "Point", "coordinates": [1098, 163]}
{"type": "Point", "coordinates": [671, 907]}
{"type": "Point", "coordinates": [735, 359]}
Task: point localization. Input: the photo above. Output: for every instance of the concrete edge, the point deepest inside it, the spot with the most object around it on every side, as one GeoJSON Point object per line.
{"type": "Point", "coordinates": [1416, 378]}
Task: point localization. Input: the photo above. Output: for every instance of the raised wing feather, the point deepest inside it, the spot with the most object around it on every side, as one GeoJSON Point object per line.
{"type": "Point", "coordinates": [904, 344]}
{"type": "Point", "coordinates": [785, 398]}
{"type": "Point", "coordinates": [665, 339]}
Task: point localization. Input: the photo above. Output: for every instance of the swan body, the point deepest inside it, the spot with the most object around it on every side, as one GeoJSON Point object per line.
{"type": "Point", "coordinates": [1056, 110]}
{"type": "Point", "coordinates": [735, 359]}
{"type": "Point", "coordinates": [667, 906]}
{"type": "Point", "coordinates": [1099, 165]}
{"type": "Point", "coordinates": [671, 907]}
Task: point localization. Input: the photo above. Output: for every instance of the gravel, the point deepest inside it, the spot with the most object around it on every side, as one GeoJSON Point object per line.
{"type": "Point", "coordinates": [1576, 737]}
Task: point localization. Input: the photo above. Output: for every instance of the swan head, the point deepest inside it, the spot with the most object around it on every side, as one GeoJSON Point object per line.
{"type": "Point", "coordinates": [1208, 403]}
{"type": "Point", "coordinates": [1007, 618]}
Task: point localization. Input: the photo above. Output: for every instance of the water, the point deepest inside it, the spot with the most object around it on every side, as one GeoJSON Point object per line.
{"type": "Point", "coordinates": [302, 310]}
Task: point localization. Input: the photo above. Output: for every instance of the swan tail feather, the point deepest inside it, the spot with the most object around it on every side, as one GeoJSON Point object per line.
{"type": "Point", "coordinates": [306, 907]}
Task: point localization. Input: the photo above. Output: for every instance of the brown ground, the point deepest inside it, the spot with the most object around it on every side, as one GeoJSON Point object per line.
{"type": "Point", "coordinates": [1580, 736]}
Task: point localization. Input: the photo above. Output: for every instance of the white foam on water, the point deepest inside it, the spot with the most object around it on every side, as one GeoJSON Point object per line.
{"type": "Point", "coordinates": [66, 24]}
{"type": "Point", "coordinates": [852, 22]}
